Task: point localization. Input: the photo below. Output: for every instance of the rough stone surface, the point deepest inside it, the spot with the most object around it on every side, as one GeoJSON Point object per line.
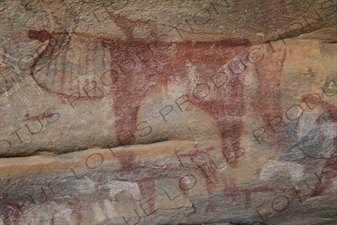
{"type": "Point", "coordinates": [168, 112]}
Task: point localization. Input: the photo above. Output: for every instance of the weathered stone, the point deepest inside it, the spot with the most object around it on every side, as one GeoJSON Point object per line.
{"type": "Point", "coordinates": [174, 112]}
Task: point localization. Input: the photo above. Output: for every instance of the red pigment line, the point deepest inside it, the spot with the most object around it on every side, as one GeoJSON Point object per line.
{"type": "Point", "coordinates": [147, 184]}
{"type": "Point", "coordinates": [202, 160]}
{"type": "Point", "coordinates": [42, 84]}
{"type": "Point", "coordinates": [126, 160]}
{"type": "Point", "coordinates": [14, 211]}
{"type": "Point", "coordinates": [147, 188]}
{"type": "Point", "coordinates": [230, 129]}
{"type": "Point", "coordinates": [63, 95]}
{"type": "Point", "coordinates": [133, 87]}
{"type": "Point", "coordinates": [230, 190]}
{"type": "Point", "coordinates": [52, 220]}
{"type": "Point", "coordinates": [267, 103]}
{"type": "Point", "coordinates": [210, 186]}
{"type": "Point", "coordinates": [310, 71]}
{"type": "Point", "coordinates": [229, 184]}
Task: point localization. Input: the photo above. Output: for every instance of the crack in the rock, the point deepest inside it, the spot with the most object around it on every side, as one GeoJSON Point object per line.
{"type": "Point", "coordinates": [46, 152]}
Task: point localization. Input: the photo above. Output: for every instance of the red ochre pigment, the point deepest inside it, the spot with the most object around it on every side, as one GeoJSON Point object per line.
{"type": "Point", "coordinates": [165, 64]}
{"type": "Point", "coordinates": [41, 35]}
{"type": "Point", "coordinates": [139, 66]}
{"type": "Point", "coordinates": [267, 103]}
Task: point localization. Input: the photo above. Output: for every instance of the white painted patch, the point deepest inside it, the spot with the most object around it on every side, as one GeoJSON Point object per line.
{"type": "Point", "coordinates": [117, 187]}
{"type": "Point", "coordinates": [66, 214]}
{"type": "Point", "coordinates": [99, 215]}
{"type": "Point", "coordinates": [110, 209]}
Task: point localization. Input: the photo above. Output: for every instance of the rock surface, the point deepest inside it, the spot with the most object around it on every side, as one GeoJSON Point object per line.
{"type": "Point", "coordinates": [168, 112]}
